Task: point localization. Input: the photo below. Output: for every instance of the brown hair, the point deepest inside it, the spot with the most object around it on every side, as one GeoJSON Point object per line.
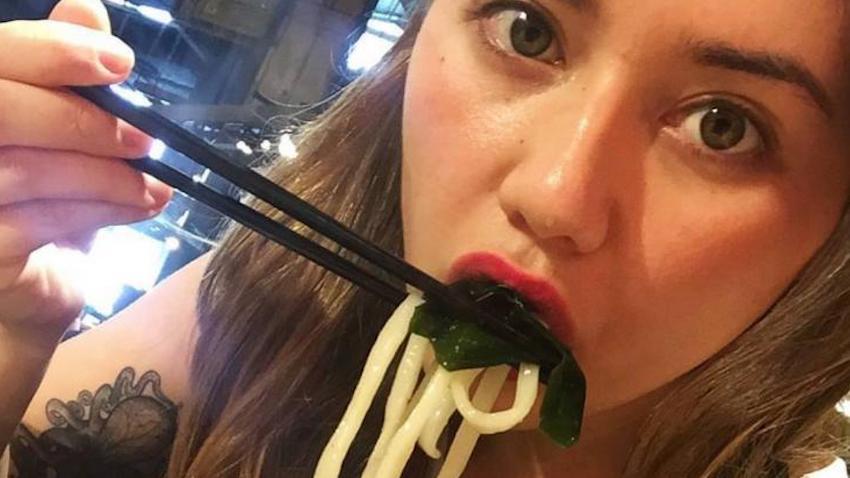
{"type": "Point", "coordinates": [282, 341]}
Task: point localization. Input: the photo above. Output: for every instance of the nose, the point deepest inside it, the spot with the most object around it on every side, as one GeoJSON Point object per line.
{"type": "Point", "coordinates": [564, 184]}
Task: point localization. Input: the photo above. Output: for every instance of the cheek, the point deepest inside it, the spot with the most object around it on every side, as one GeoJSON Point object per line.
{"type": "Point", "coordinates": [703, 264]}
{"type": "Point", "coordinates": [458, 139]}
{"type": "Point", "coordinates": [692, 262]}
{"type": "Point", "coordinates": [721, 260]}
{"type": "Point", "coordinates": [732, 249]}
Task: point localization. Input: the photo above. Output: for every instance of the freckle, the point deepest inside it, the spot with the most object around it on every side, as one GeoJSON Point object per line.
{"type": "Point", "coordinates": [522, 141]}
{"type": "Point", "coordinates": [442, 59]}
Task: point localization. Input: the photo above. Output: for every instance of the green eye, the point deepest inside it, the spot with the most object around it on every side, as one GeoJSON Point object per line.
{"type": "Point", "coordinates": [519, 30]}
{"type": "Point", "coordinates": [724, 129]}
{"type": "Point", "coordinates": [530, 35]}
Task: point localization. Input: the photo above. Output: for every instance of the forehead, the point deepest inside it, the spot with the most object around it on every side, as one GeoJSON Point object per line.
{"type": "Point", "coordinates": [745, 16]}
{"type": "Point", "coordinates": [812, 31]}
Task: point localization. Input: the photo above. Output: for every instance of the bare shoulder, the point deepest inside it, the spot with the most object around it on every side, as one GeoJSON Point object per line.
{"type": "Point", "coordinates": [112, 394]}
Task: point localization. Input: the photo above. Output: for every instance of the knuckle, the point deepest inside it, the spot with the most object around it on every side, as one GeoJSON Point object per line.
{"type": "Point", "coordinates": [40, 287]}
{"type": "Point", "coordinates": [44, 299]}
{"type": "Point", "coordinates": [83, 120]}
{"type": "Point", "coordinates": [14, 174]}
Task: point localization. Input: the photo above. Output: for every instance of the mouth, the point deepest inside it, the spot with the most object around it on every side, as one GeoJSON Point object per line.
{"type": "Point", "coordinates": [538, 293]}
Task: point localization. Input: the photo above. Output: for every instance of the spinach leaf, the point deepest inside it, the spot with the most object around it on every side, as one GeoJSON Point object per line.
{"type": "Point", "coordinates": [563, 404]}
{"type": "Point", "coordinates": [459, 343]}
{"type": "Point", "coordinates": [463, 345]}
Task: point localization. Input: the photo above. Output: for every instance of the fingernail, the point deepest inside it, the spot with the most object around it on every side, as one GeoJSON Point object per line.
{"type": "Point", "coordinates": [155, 212]}
{"type": "Point", "coordinates": [116, 56]}
{"type": "Point", "coordinates": [157, 190]}
{"type": "Point", "coordinates": [150, 200]}
{"type": "Point", "coordinates": [134, 139]}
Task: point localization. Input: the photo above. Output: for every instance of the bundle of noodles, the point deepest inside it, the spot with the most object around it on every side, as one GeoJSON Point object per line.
{"type": "Point", "coordinates": [417, 411]}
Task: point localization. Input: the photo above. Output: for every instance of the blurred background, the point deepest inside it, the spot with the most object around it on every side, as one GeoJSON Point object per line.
{"type": "Point", "coordinates": [241, 74]}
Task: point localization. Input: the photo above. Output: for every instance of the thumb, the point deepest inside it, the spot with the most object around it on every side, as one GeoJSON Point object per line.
{"type": "Point", "coordinates": [87, 13]}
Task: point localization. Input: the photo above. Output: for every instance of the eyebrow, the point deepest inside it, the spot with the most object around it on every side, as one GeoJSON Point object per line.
{"type": "Point", "coordinates": [584, 6]}
{"type": "Point", "coordinates": [764, 64]}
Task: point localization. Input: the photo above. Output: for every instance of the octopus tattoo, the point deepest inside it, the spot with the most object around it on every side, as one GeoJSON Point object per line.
{"type": "Point", "coordinates": [122, 430]}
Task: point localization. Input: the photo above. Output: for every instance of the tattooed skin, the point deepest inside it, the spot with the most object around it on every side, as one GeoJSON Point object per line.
{"type": "Point", "coordinates": [123, 430]}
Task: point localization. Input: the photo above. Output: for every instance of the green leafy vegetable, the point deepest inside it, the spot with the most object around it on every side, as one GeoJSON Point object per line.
{"type": "Point", "coordinates": [463, 345]}
{"type": "Point", "coordinates": [563, 404]}
{"type": "Point", "coordinates": [459, 343]}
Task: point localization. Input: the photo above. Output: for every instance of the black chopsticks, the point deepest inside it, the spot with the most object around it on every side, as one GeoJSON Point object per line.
{"type": "Point", "coordinates": [194, 148]}
{"type": "Point", "coordinates": [270, 229]}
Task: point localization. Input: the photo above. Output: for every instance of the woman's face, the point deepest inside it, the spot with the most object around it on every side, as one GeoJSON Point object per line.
{"type": "Point", "coordinates": [667, 166]}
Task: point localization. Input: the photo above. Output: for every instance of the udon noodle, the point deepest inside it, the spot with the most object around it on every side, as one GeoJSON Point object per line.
{"type": "Point", "coordinates": [417, 411]}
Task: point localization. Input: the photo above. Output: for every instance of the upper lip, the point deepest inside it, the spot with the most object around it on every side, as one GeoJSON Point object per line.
{"type": "Point", "coordinates": [536, 290]}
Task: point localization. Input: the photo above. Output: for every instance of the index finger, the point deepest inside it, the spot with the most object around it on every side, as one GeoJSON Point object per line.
{"type": "Point", "coordinates": [61, 54]}
{"type": "Point", "coordinates": [86, 13]}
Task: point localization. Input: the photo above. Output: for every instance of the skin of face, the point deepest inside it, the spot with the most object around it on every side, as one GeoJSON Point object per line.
{"type": "Point", "coordinates": [585, 172]}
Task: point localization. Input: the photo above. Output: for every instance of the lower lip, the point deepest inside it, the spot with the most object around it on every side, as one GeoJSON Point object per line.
{"type": "Point", "coordinates": [537, 290]}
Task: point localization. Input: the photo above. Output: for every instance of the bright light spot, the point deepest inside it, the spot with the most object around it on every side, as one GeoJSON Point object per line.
{"type": "Point", "coordinates": [89, 321]}
{"type": "Point", "coordinates": [246, 150]}
{"type": "Point", "coordinates": [156, 14]}
{"type": "Point", "coordinates": [157, 150]}
{"type": "Point", "coordinates": [201, 178]}
{"type": "Point", "coordinates": [266, 145]}
{"type": "Point", "coordinates": [128, 255]}
{"type": "Point", "coordinates": [181, 221]}
{"type": "Point", "coordinates": [376, 41]}
{"type": "Point", "coordinates": [843, 407]}
{"type": "Point", "coordinates": [367, 52]}
{"type": "Point", "coordinates": [120, 256]}
{"type": "Point", "coordinates": [287, 148]}
{"type": "Point", "coordinates": [132, 96]}
{"type": "Point", "coordinates": [384, 27]}
{"type": "Point", "coordinates": [172, 243]}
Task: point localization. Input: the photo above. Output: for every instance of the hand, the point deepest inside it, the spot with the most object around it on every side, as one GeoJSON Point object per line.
{"type": "Point", "coordinates": [60, 173]}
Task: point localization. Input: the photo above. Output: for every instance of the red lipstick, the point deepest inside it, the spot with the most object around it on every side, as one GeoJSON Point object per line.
{"type": "Point", "coordinates": [537, 291]}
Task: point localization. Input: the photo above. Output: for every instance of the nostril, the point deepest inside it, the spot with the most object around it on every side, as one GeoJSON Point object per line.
{"type": "Point", "coordinates": [517, 220]}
